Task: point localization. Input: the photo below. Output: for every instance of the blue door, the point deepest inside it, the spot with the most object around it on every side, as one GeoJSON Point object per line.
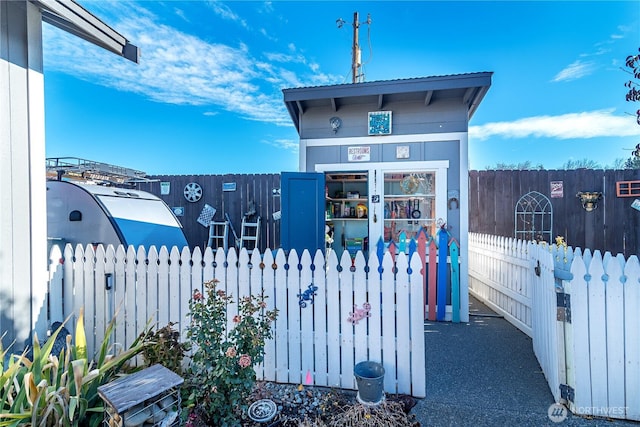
{"type": "Point", "coordinates": [302, 205]}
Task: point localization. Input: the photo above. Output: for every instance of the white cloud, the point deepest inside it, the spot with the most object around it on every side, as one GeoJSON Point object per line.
{"type": "Point", "coordinates": [590, 124]}
{"type": "Point", "coordinates": [225, 12]}
{"type": "Point", "coordinates": [179, 68]}
{"type": "Point", "coordinates": [575, 70]}
{"type": "Point", "coordinates": [285, 144]}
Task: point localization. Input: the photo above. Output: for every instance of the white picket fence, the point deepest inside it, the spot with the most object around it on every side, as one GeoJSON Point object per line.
{"type": "Point", "coordinates": [499, 275]}
{"type": "Point", "coordinates": [591, 350]}
{"type": "Point", "coordinates": [319, 340]}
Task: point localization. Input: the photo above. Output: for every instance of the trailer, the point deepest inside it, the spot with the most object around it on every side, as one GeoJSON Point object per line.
{"type": "Point", "coordinates": [81, 213]}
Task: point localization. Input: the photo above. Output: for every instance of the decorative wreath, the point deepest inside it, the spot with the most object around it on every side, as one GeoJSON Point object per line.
{"type": "Point", "coordinates": [409, 185]}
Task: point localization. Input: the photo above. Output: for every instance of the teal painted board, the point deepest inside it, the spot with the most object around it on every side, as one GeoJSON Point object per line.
{"type": "Point", "coordinates": [454, 251]}
{"type": "Point", "coordinates": [443, 238]}
{"type": "Point", "coordinates": [402, 242]}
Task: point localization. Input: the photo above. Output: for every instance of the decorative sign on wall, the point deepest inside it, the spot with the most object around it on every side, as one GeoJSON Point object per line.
{"type": "Point", "coordinates": [380, 123]}
{"type": "Point", "coordinates": [206, 215]}
{"type": "Point", "coordinates": [402, 152]}
{"type": "Point", "coordinates": [557, 189]}
{"type": "Point", "coordinates": [165, 188]}
{"type": "Point", "coordinates": [228, 186]}
{"type": "Point", "coordinates": [636, 204]}
{"type": "Point", "coordinates": [178, 210]}
{"type": "Point", "coordinates": [359, 154]}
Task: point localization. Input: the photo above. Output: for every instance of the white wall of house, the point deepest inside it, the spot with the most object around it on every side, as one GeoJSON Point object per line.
{"type": "Point", "coordinates": [23, 244]}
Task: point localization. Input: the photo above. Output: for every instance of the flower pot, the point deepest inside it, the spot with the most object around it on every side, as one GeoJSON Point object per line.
{"type": "Point", "coordinates": [370, 380]}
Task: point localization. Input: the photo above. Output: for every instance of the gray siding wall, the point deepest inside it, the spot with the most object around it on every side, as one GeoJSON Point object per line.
{"type": "Point", "coordinates": [411, 117]}
{"type": "Point", "coordinates": [408, 118]}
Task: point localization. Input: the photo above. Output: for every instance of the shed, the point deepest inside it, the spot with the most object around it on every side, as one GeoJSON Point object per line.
{"type": "Point", "coordinates": [381, 158]}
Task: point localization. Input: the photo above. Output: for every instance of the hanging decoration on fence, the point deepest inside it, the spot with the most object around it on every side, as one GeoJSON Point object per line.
{"type": "Point", "coordinates": [307, 295]}
{"type": "Point", "coordinates": [359, 313]}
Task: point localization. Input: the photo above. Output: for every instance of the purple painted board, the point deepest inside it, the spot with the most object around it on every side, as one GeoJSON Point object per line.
{"type": "Point", "coordinates": [432, 279]}
{"type": "Point", "coordinates": [443, 238]}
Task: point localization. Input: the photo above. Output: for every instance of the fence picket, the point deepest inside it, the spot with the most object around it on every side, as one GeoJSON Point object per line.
{"type": "Point", "coordinates": [281, 327]}
{"type": "Point", "coordinates": [580, 364]}
{"type": "Point", "coordinates": [320, 322]}
{"type": "Point", "coordinates": [615, 335]}
{"type": "Point", "coordinates": [294, 289]}
{"type": "Point", "coordinates": [432, 280]}
{"type": "Point", "coordinates": [89, 285]}
{"type": "Point", "coordinates": [265, 269]}
{"type": "Point", "coordinates": [388, 324]}
{"type": "Point", "coordinates": [403, 339]}
{"type": "Point", "coordinates": [345, 300]}
{"type": "Point", "coordinates": [333, 320]}
{"type": "Point", "coordinates": [597, 334]}
{"type": "Point", "coordinates": [156, 278]}
{"type": "Point", "coordinates": [417, 352]}
{"type": "Point", "coordinates": [632, 338]}
{"type": "Point", "coordinates": [374, 297]}
{"type": "Point", "coordinates": [359, 299]}
{"type": "Point", "coordinates": [173, 288]}
{"type": "Point", "coordinates": [306, 318]}
{"type": "Point", "coordinates": [101, 298]}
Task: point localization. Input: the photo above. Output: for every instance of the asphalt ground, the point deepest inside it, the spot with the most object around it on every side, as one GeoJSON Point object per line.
{"type": "Point", "coordinates": [484, 373]}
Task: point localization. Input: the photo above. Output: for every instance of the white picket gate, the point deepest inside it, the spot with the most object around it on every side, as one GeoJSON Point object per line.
{"type": "Point", "coordinates": [499, 275]}
{"type": "Point", "coordinates": [603, 337]}
{"type": "Point", "coordinates": [590, 349]}
{"type": "Point", "coordinates": [316, 340]}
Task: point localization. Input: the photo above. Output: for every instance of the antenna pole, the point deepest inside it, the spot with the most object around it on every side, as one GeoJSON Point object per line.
{"type": "Point", "coordinates": [355, 61]}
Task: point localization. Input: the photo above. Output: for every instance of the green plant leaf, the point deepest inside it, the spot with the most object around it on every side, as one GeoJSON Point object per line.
{"type": "Point", "coordinates": [81, 338]}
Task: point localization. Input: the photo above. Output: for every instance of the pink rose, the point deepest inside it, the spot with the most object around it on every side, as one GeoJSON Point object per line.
{"type": "Point", "coordinates": [245, 361]}
{"type": "Point", "coordinates": [231, 352]}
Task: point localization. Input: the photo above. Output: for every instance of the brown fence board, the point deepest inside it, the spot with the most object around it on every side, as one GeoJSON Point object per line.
{"type": "Point", "coordinates": [614, 226]}
{"type": "Point", "coordinates": [256, 188]}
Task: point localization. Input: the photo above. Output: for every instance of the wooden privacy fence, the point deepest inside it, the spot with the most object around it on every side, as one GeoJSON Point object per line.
{"type": "Point", "coordinates": [584, 316]}
{"type": "Point", "coordinates": [360, 310]}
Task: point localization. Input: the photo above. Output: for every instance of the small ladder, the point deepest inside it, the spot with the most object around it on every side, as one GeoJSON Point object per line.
{"type": "Point", "coordinates": [250, 234]}
{"type": "Point", "coordinates": [218, 235]}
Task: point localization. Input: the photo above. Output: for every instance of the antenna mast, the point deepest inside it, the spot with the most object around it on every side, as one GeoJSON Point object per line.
{"type": "Point", "coordinates": [357, 75]}
{"type": "Point", "coordinates": [355, 56]}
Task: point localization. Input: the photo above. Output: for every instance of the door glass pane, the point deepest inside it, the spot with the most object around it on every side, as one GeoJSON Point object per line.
{"type": "Point", "coordinates": [409, 204]}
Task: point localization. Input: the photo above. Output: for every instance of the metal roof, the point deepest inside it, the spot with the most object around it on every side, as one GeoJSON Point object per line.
{"type": "Point", "coordinates": [73, 18]}
{"type": "Point", "coordinates": [470, 88]}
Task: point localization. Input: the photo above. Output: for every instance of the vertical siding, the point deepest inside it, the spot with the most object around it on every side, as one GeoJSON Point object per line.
{"type": "Point", "coordinates": [614, 226]}
{"type": "Point", "coordinates": [249, 188]}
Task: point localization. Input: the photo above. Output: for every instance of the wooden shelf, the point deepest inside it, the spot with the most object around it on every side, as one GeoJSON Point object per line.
{"type": "Point", "coordinates": [360, 199]}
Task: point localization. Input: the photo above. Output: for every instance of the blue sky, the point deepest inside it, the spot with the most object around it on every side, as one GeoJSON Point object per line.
{"type": "Point", "coordinates": [206, 97]}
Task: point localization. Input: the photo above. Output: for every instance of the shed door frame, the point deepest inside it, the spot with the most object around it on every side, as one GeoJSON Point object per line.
{"type": "Point", "coordinates": [376, 185]}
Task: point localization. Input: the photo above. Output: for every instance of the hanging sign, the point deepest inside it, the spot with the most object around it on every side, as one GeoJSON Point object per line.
{"type": "Point", "coordinates": [358, 154]}
{"type": "Point", "coordinates": [228, 186]}
{"type": "Point", "coordinates": [557, 189]}
{"type": "Point", "coordinates": [165, 188]}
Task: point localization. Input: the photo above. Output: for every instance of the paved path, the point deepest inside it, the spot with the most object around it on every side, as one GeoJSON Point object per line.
{"type": "Point", "coordinates": [484, 373]}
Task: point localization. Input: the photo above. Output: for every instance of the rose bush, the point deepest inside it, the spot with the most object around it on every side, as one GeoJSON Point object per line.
{"type": "Point", "coordinates": [221, 375]}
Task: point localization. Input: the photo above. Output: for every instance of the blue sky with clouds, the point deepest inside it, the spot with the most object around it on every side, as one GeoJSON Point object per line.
{"type": "Point", "coordinates": [206, 97]}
